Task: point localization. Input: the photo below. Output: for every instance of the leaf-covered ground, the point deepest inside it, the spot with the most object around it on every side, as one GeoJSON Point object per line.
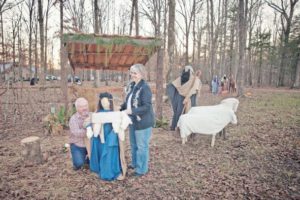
{"type": "Point", "coordinates": [260, 159]}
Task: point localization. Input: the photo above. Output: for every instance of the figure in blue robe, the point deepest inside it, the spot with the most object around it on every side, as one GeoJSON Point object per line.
{"type": "Point", "coordinates": [215, 85]}
{"type": "Point", "coordinates": [105, 157]}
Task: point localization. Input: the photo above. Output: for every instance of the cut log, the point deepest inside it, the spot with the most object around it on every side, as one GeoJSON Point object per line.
{"type": "Point", "coordinates": [31, 150]}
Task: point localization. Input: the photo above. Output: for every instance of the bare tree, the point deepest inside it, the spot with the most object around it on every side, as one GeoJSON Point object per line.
{"type": "Point", "coordinates": [213, 34]}
{"type": "Point", "coordinates": [49, 5]}
{"type": "Point", "coordinates": [242, 45]}
{"type": "Point", "coordinates": [286, 9]}
{"type": "Point", "coordinates": [253, 9]}
{"type": "Point", "coordinates": [295, 45]}
{"type": "Point", "coordinates": [3, 47]}
{"type": "Point", "coordinates": [134, 15]}
{"type": "Point", "coordinates": [96, 31]}
{"type": "Point", "coordinates": [153, 11]}
{"type": "Point", "coordinates": [224, 37]}
{"type": "Point", "coordinates": [63, 57]}
{"type": "Point", "coordinates": [272, 53]}
{"type": "Point", "coordinates": [187, 10]}
{"type": "Point", "coordinates": [171, 39]}
{"type": "Point", "coordinates": [76, 11]}
{"type": "Point", "coordinates": [20, 52]}
{"type": "Point", "coordinates": [15, 26]}
{"type": "Point", "coordinates": [30, 5]}
{"type": "Point", "coordinates": [136, 8]}
{"type": "Point", "coordinates": [42, 39]}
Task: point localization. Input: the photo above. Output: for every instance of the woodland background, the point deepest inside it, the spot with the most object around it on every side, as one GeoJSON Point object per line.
{"type": "Point", "coordinates": [256, 41]}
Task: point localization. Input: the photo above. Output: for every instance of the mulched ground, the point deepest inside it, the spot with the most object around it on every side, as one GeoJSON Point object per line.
{"type": "Point", "coordinates": [260, 159]}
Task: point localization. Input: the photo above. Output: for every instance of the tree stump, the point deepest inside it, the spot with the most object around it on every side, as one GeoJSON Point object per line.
{"type": "Point", "coordinates": [31, 150]}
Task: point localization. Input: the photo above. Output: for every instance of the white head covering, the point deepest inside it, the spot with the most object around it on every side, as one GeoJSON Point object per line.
{"type": "Point", "coordinates": [189, 67]}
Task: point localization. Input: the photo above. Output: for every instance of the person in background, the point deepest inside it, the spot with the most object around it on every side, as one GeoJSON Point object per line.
{"type": "Point", "coordinates": [224, 84]}
{"type": "Point", "coordinates": [78, 133]}
{"type": "Point", "coordinates": [182, 93]}
{"type": "Point", "coordinates": [215, 85]}
{"type": "Point", "coordinates": [138, 106]}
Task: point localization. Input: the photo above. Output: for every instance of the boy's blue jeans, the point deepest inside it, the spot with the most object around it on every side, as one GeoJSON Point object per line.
{"type": "Point", "coordinates": [79, 156]}
{"type": "Point", "coordinates": [139, 142]}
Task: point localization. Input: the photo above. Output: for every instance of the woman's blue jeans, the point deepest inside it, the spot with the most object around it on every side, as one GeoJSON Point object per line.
{"type": "Point", "coordinates": [79, 156]}
{"type": "Point", "coordinates": [139, 142]}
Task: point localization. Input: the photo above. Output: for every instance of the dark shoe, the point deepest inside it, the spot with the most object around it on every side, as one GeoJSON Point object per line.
{"type": "Point", "coordinates": [130, 167]}
{"type": "Point", "coordinates": [86, 166]}
{"type": "Point", "coordinates": [138, 175]}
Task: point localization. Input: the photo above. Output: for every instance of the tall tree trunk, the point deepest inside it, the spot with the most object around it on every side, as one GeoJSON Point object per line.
{"type": "Point", "coordinates": [259, 74]}
{"type": "Point", "coordinates": [231, 49]}
{"type": "Point", "coordinates": [3, 48]}
{"type": "Point", "coordinates": [20, 54]}
{"type": "Point", "coordinates": [63, 60]}
{"type": "Point", "coordinates": [31, 6]}
{"type": "Point", "coordinates": [41, 24]}
{"type": "Point", "coordinates": [171, 39]}
{"type": "Point", "coordinates": [96, 31]}
{"type": "Point", "coordinates": [131, 17]}
{"type": "Point", "coordinates": [242, 44]}
{"type": "Point", "coordinates": [208, 44]}
{"type": "Point", "coordinates": [136, 17]}
{"type": "Point", "coordinates": [296, 83]}
{"type": "Point", "coordinates": [212, 46]}
{"type": "Point", "coordinates": [46, 35]}
{"type": "Point", "coordinates": [36, 55]}
{"type": "Point", "coordinates": [199, 45]}
{"type": "Point", "coordinates": [272, 51]}
{"type": "Point", "coordinates": [194, 34]}
{"type": "Point", "coordinates": [159, 84]}
{"type": "Point", "coordinates": [159, 70]}
{"type": "Point", "coordinates": [223, 49]}
{"type": "Point", "coordinates": [14, 33]}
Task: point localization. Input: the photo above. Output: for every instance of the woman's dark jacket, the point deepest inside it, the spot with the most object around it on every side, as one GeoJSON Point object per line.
{"type": "Point", "coordinates": [141, 105]}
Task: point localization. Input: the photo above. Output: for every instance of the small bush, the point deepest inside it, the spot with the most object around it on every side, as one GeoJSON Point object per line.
{"type": "Point", "coordinates": [162, 123]}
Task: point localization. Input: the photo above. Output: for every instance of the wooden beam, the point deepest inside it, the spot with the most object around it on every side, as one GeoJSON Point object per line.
{"type": "Point", "coordinates": [101, 66]}
{"type": "Point", "coordinates": [103, 53]}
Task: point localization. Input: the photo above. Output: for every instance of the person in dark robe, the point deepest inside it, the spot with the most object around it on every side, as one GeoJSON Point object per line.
{"type": "Point", "coordinates": [182, 93]}
{"type": "Point", "coordinates": [105, 155]}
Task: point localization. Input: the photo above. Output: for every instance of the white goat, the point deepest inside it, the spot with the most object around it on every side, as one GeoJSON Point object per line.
{"type": "Point", "coordinates": [208, 120]}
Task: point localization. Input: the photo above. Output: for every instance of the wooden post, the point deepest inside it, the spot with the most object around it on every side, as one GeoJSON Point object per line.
{"type": "Point", "coordinates": [31, 150]}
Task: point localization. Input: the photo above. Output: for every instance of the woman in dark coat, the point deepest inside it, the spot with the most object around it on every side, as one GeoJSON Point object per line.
{"type": "Point", "coordinates": [138, 106]}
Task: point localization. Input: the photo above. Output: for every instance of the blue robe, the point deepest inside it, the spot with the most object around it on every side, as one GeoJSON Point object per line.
{"type": "Point", "coordinates": [105, 157]}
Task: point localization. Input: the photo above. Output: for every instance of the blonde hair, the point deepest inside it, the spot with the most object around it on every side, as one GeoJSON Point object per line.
{"type": "Point", "coordinates": [139, 68]}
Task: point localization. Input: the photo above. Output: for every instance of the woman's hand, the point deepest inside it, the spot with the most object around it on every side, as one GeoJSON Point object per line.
{"type": "Point", "coordinates": [128, 111]}
{"type": "Point", "coordinates": [185, 101]}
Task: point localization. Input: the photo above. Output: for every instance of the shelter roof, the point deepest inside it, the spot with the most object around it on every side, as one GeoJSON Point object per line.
{"type": "Point", "coordinates": [111, 52]}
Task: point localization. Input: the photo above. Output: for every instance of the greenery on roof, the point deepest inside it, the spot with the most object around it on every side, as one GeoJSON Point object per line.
{"type": "Point", "coordinates": [109, 41]}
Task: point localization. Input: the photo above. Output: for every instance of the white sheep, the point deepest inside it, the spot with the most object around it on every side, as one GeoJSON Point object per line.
{"type": "Point", "coordinates": [208, 120]}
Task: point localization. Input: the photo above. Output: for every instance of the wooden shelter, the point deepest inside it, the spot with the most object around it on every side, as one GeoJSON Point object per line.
{"type": "Point", "coordinates": [109, 52]}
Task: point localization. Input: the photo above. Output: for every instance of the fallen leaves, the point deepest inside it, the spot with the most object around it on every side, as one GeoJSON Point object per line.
{"type": "Point", "coordinates": [260, 159]}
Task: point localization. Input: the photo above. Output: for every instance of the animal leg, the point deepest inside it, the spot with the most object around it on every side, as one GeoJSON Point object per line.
{"type": "Point", "coordinates": [213, 140]}
{"type": "Point", "coordinates": [184, 140]}
{"type": "Point", "coordinates": [224, 133]}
